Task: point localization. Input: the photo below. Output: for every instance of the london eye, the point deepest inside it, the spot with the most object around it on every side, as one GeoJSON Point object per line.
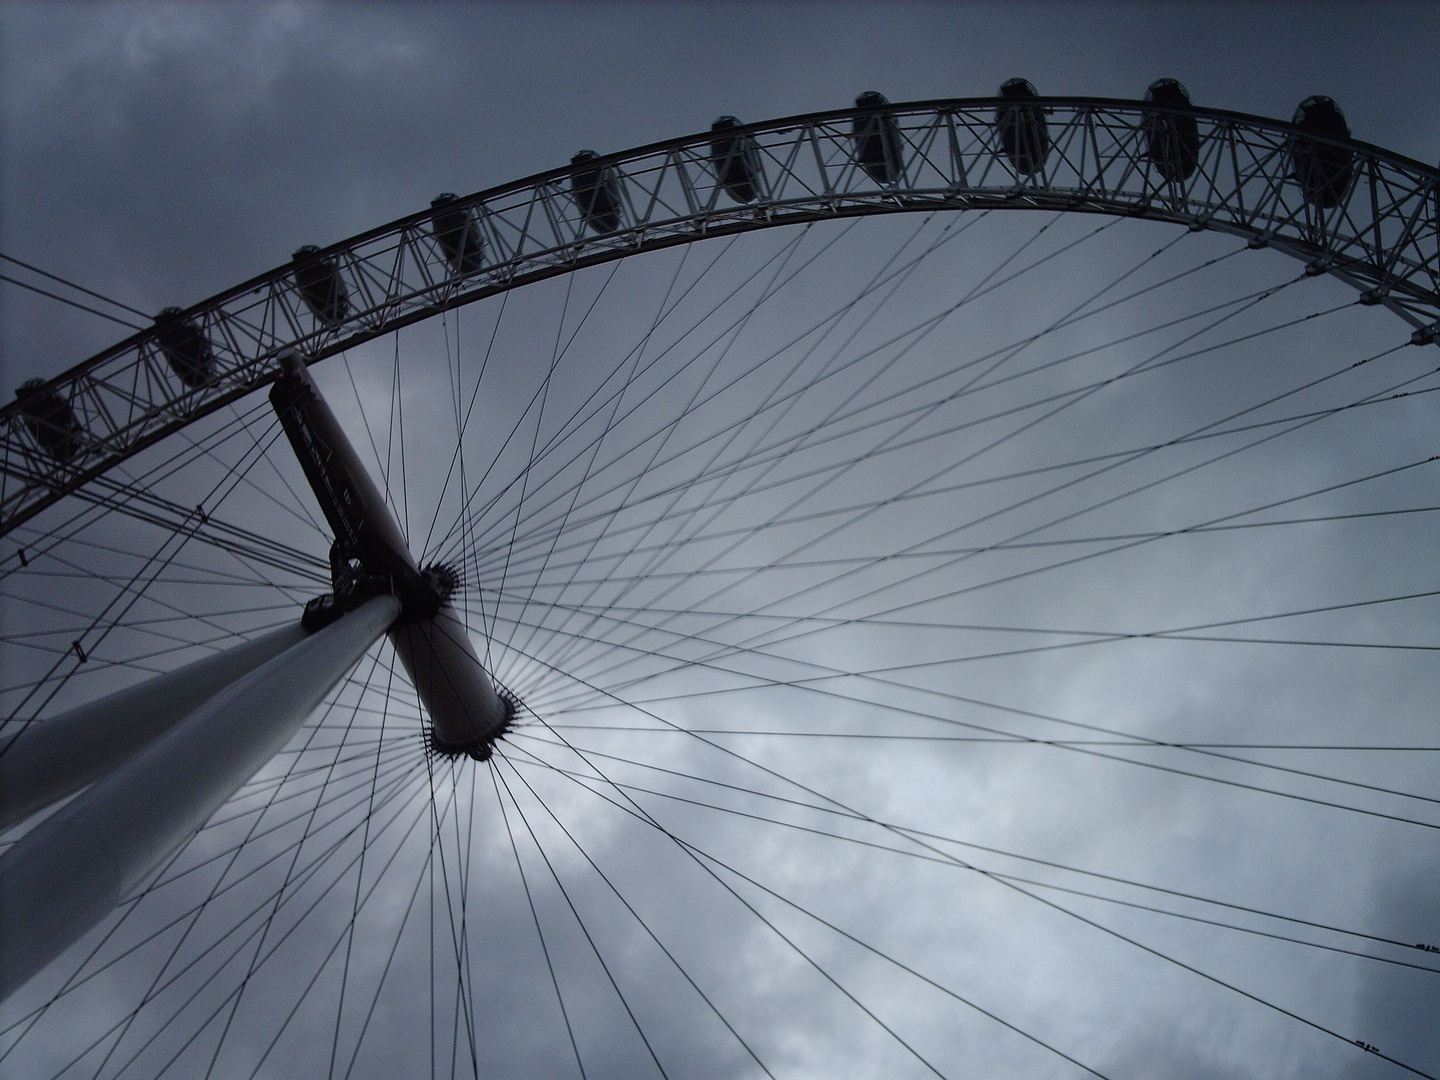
{"type": "Point", "coordinates": [843, 588]}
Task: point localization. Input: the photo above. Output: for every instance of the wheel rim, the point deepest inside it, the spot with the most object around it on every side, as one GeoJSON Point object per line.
{"type": "Point", "coordinates": [1377, 227]}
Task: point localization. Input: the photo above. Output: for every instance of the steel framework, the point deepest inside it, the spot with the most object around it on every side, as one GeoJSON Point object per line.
{"type": "Point", "coordinates": [1382, 234]}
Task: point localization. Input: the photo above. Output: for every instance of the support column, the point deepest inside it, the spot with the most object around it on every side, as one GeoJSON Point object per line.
{"type": "Point", "coordinates": [72, 869]}
{"type": "Point", "coordinates": [42, 762]}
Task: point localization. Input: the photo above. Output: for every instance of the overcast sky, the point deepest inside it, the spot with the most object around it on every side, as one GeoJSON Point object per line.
{"type": "Point", "coordinates": [159, 154]}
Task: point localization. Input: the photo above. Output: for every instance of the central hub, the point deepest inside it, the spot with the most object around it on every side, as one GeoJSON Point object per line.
{"type": "Point", "coordinates": [369, 557]}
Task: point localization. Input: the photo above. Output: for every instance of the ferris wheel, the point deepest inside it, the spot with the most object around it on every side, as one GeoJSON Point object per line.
{"type": "Point", "coordinates": [746, 606]}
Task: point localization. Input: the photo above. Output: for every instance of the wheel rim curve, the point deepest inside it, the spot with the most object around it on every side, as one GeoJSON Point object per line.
{"type": "Point", "coordinates": [1382, 237]}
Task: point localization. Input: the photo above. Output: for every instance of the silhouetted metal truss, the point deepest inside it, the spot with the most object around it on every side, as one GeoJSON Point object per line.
{"type": "Point", "coordinates": [1382, 235]}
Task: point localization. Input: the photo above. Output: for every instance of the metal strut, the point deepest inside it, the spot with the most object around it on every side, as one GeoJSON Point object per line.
{"type": "Point", "coordinates": [370, 557]}
{"type": "Point", "coordinates": [41, 762]}
{"type": "Point", "coordinates": [72, 869]}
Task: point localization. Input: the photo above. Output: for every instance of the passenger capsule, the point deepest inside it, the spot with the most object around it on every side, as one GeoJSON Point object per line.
{"type": "Point", "coordinates": [1323, 171]}
{"type": "Point", "coordinates": [186, 348]}
{"type": "Point", "coordinates": [736, 160]}
{"type": "Point", "coordinates": [1024, 134]}
{"type": "Point", "coordinates": [1172, 140]}
{"type": "Point", "coordinates": [51, 420]}
{"type": "Point", "coordinates": [319, 282]}
{"type": "Point", "coordinates": [597, 192]}
{"type": "Point", "coordinates": [878, 149]}
{"type": "Point", "coordinates": [456, 233]}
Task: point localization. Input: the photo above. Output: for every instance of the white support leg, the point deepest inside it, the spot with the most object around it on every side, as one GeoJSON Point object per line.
{"type": "Point", "coordinates": [42, 762]}
{"type": "Point", "coordinates": [72, 869]}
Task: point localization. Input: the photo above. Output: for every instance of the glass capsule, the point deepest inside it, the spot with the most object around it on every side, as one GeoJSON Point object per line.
{"type": "Point", "coordinates": [457, 234]}
{"type": "Point", "coordinates": [736, 160]}
{"type": "Point", "coordinates": [320, 285]}
{"type": "Point", "coordinates": [50, 420]}
{"type": "Point", "coordinates": [1024, 133]}
{"type": "Point", "coordinates": [185, 347]}
{"type": "Point", "coordinates": [1172, 140]}
{"type": "Point", "coordinates": [878, 149]}
{"type": "Point", "coordinates": [1323, 170]}
{"type": "Point", "coordinates": [596, 192]}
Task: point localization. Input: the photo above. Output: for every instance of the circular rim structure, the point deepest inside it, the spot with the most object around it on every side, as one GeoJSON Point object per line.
{"type": "Point", "coordinates": [1382, 236]}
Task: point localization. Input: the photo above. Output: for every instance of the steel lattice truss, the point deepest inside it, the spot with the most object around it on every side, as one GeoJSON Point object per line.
{"type": "Point", "coordinates": [1382, 235]}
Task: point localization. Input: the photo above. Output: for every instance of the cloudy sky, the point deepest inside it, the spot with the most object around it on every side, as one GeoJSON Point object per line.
{"type": "Point", "coordinates": [159, 154]}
